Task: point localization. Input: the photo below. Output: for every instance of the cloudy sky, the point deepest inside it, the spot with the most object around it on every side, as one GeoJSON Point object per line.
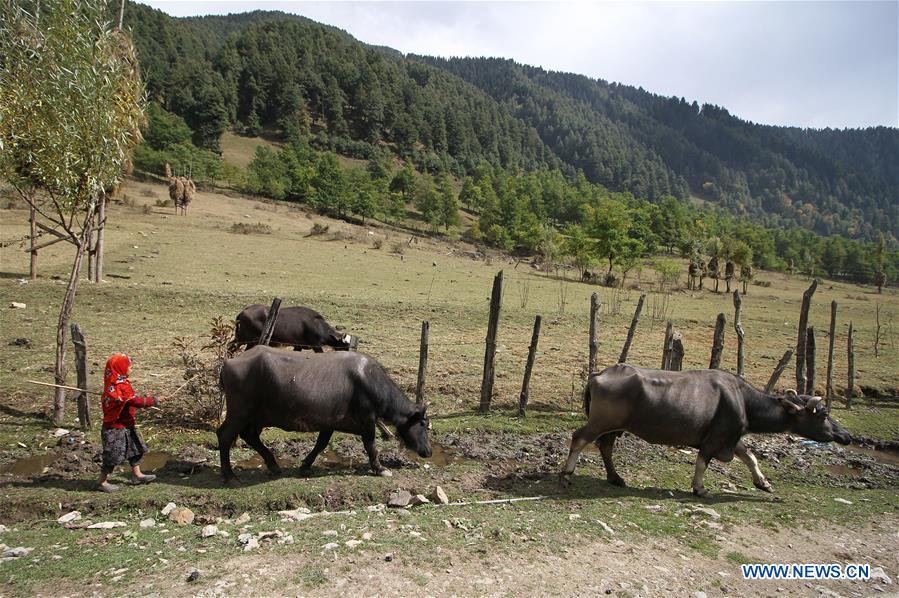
{"type": "Point", "coordinates": [802, 63]}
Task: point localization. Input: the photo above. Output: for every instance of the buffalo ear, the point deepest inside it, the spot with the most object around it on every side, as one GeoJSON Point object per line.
{"type": "Point", "coordinates": [790, 405]}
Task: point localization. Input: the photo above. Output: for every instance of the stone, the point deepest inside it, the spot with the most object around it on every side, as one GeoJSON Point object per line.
{"type": "Point", "coordinates": [59, 432]}
{"type": "Point", "coordinates": [419, 499]}
{"type": "Point", "coordinates": [605, 526]}
{"type": "Point", "coordinates": [251, 544]}
{"type": "Point", "coordinates": [145, 523]}
{"type": "Point", "coordinates": [699, 595]}
{"type": "Point", "coordinates": [880, 575]}
{"type": "Point", "coordinates": [182, 516]}
{"type": "Point", "coordinates": [706, 511]}
{"type": "Point", "coordinates": [209, 531]}
{"type": "Point", "coordinates": [366, 536]}
{"type": "Point", "coordinates": [298, 514]}
{"type": "Point", "coordinates": [168, 508]}
{"type": "Point", "coordinates": [842, 501]}
{"type": "Point", "coordinates": [244, 518]}
{"type": "Point", "coordinates": [14, 553]}
{"type": "Point", "coordinates": [194, 575]}
{"type": "Point", "coordinates": [331, 546]}
{"type": "Point", "coordinates": [70, 516]}
{"type": "Point", "coordinates": [399, 499]}
{"type": "Point", "coordinates": [3, 529]}
{"type": "Point", "coordinates": [352, 543]}
{"type": "Point", "coordinates": [244, 538]}
{"type": "Point", "coordinates": [330, 532]}
{"type": "Point", "coordinates": [440, 496]}
{"type": "Point", "coordinates": [106, 525]}
{"type": "Point", "coordinates": [17, 305]}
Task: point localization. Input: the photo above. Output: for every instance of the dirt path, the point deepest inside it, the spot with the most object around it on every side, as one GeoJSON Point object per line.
{"type": "Point", "coordinates": [657, 567]}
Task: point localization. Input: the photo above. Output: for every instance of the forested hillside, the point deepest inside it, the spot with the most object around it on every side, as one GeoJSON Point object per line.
{"type": "Point", "coordinates": [830, 181]}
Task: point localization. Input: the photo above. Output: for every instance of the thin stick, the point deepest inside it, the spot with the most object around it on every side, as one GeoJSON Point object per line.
{"type": "Point", "coordinates": [496, 501]}
{"type": "Point", "coordinates": [93, 392]}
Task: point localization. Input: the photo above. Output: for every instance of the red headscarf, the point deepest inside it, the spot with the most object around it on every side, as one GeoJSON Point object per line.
{"type": "Point", "coordinates": [116, 388]}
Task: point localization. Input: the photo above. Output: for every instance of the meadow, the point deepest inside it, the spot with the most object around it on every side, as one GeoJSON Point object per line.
{"type": "Point", "coordinates": [167, 277]}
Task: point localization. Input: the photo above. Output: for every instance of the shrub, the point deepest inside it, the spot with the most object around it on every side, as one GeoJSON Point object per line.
{"type": "Point", "coordinates": [318, 229]}
{"type": "Point", "coordinates": [377, 243]}
{"type": "Point", "coordinates": [205, 399]}
{"type": "Point", "coordinates": [399, 248]}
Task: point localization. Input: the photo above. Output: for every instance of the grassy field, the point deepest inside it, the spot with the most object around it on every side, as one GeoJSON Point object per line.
{"type": "Point", "coordinates": [169, 276]}
{"type": "Point", "coordinates": [239, 150]}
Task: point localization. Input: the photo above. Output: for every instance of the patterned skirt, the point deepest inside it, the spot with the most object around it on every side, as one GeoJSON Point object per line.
{"type": "Point", "coordinates": [120, 444]}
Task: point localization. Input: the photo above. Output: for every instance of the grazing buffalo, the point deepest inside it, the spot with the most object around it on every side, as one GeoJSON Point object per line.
{"type": "Point", "coordinates": [299, 327]}
{"type": "Point", "coordinates": [308, 392]}
{"type": "Point", "coordinates": [709, 410]}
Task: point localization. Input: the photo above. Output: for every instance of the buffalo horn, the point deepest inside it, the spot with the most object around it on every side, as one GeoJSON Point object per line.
{"type": "Point", "coordinates": [791, 393]}
{"type": "Point", "coordinates": [812, 404]}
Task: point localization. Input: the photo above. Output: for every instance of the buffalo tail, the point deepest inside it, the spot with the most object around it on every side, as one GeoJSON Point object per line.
{"type": "Point", "coordinates": [587, 399]}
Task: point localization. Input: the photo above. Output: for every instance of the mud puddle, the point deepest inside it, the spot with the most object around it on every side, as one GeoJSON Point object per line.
{"type": "Point", "coordinates": [30, 466]}
{"type": "Point", "coordinates": [885, 456]}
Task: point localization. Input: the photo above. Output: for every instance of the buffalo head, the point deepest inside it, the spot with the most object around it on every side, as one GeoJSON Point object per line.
{"type": "Point", "coordinates": [811, 419]}
{"type": "Point", "coordinates": [414, 432]}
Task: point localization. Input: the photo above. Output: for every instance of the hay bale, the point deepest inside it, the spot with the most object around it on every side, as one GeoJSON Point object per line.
{"type": "Point", "coordinates": [168, 171]}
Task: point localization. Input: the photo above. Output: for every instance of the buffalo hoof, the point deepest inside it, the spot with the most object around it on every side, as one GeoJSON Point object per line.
{"type": "Point", "coordinates": [385, 473]}
{"type": "Point", "coordinates": [565, 479]}
{"type": "Point", "coordinates": [617, 481]}
{"type": "Point", "coordinates": [765, 487]}
{"type": "Point", "coordinates": [231, 482]}
{"type": "Point", "coordinates": [305, 472]}
{"type": "Point", "coordinates": [701, 493]}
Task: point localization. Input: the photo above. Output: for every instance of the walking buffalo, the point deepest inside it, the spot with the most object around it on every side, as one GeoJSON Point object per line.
{"type": "Point", "coordinates": [309, 392]}
{"type": "Point", "coordinates": [709, 410]}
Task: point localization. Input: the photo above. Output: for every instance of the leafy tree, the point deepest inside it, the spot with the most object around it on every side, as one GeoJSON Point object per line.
{"type": "Point", "coordinates": [268, 174]}
{"type": "Point", "coordinates": [580, 247]}
{"type": "Point", "coordinates": [71, 107]}
{"type": "Point", "coordinates": [329, 192]}
{"type": "Point", "coordinates": [449, 204]}
{"type": "Point", "coordinates": [164, 129]}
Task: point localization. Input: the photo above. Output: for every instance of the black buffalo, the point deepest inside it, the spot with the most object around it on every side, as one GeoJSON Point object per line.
{"type": "Point", "coordinates": [299, 327]}
{"type": "Point", "coordinates": [309, 392]}
{"type": "Point", "coordinates": [709, 410]}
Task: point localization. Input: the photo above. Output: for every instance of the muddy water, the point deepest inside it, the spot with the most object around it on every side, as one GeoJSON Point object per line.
{"type": "Point", "coordinates": [29, 466]}
{"type": "Point", "coordinates": [441, 456]}
{"type": "Point", "coordinates": [886, 456]}
{"type": "Point", "coordinates": [844, 470]}
{"type": "Point", "coordinates": [155, 460]}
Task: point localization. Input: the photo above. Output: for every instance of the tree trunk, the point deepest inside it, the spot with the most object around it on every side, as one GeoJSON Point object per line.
{"type": "Point", "coordinates": [101, 230]}
{"type": "Point", "coordinates": [529, 367]}
{"type": "Point", "coordinates": [422, 363]}
{"type": "Point", "coordinates": [490, 348]}
{"type": "Point", "coordinates": [84, 416]}
{"type": "Point", "coordinates": [121, 12]}
{"type": "Point", "coordinates": [65, 313]}
{"type": "Point", "coordinates": [33, 222]}
{"type": "Point", "coordinates": [630, 331]}
{"type": "Point", "coordinates": [781, 366]}
{"type": "Point", "coordinates": [717, 343]}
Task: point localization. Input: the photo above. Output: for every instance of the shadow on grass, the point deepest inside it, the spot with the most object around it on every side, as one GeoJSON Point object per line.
{"type": "Point", "coordinates": [587, 487]}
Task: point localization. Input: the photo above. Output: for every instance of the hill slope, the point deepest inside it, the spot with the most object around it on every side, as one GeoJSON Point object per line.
{"type": "Point", "coordinates": [277, 71]}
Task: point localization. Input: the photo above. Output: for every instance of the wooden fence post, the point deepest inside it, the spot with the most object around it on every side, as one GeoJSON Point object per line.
{"type": "Point", "coordinates": [667, 346]}
{"type": "Point", "coordinates": [528, 368]}
{"type": "Point", "coordinates": [833, 330]}
{"type": "Point", "coordinates": [490, 350]}
{"type": "Point", "coordinates": [800, 343]}
{"type": "Point", "coordinates": [781, 366]}
{"type": "Point", "coordinates": [738, 327]}
{"type": "Point", "coordinates": [850, 392]}
{"type": "Point", "coordinates": [810, 361]}
{"type": "Point", "coordinates": [676, 360]}
{"type": "Point", "coordinates": [594, 343]}
{"type": "Point", "coordinates": [717, 342]}
{"type": "Point", "coordinates": [269, 328]}
{"type": "Point", "coordinates": [422, 363]}
{"type": "Point", "coordinates": [630, 332]}
{"type": "Point", "coordinates": [84, 416]}
{"type": "Point", "coordinates": [33, 221]}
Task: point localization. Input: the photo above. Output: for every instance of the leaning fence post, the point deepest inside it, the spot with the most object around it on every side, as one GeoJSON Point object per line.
{"type": "Point", "coordinates": [833, 330]}
{"type": "Point", "coordinates": [738, 327]}
{"type": "Point", "coordinates": [594, 343]}
{"type": "Point", "coordinates": [422, 363]}
{"type": "Point", "coordinates": [800, 343]}
{"type": "Point", "coordinates": [676, 359]}
{"type": "Point", "coordinates": [667, 347]}
{"type": "Point", "coordinates": [269, 328]}
{"type": "Point", "coordinates": [630, 332]}
{"type": "Point", "coordinates": [781, 366]}
{"type": "Point", "coordinates": [810, 361]}
{"type": "Point", "coordinates": [850, 392]}
{"type": "Point", "coordinates": [490, 350]}
{"type": "Point", "coordinates": [717, 342]}
{"type": "Point", "coordinates": [532, 354]}
{"type": "Point", "coordinates": [84, 416]}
